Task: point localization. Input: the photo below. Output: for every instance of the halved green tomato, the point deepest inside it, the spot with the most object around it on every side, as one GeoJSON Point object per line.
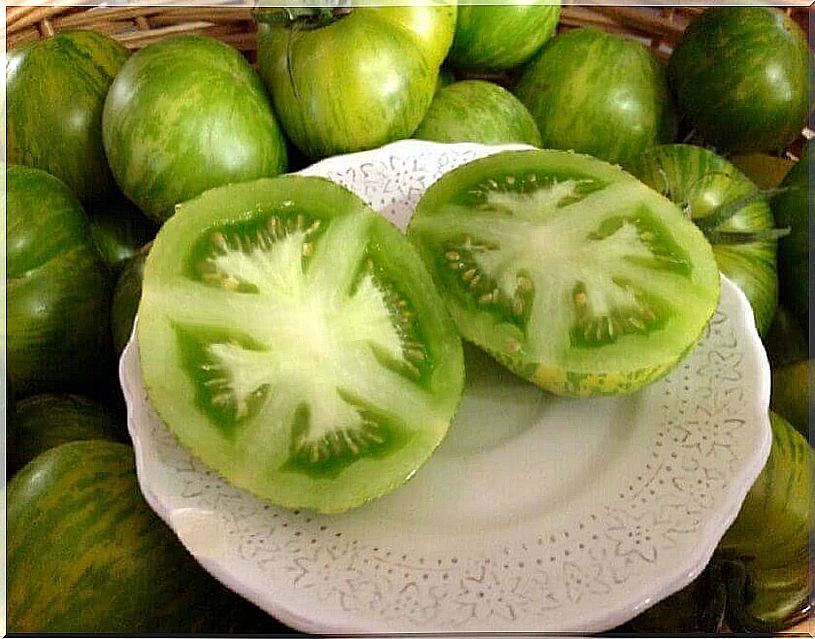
{"type": "Point", "coordinates": [568, 270]}
{"type": "Point", "coordinates": [292, 339]}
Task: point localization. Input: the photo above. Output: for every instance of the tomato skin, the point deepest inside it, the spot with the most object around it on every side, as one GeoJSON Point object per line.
{"type": "Point", "coordinates": [701, 180]}
{"type": "Point", "coordinates": [478, 111]}
{"type": "Point", "coordinates": [45, 421]}
{"type": "Point", "coordinates": [56, 88]}
{"type": "Point", "coordinates": [496, 37]}
{"type": "Point", "coordinates": [379, 65]}
{"type": "Point", "coordinates": [790, 394]}
{"type": "Point", "coordinates": [599, 94]}
{"type": "Point", "coordinates": [740, 74]}
{"type": "Point", "coordinates": [126, 296]}
{"type": "Point", "coordinates": [58, 288]}
{"type": "Point", "coordinates": [120, 230]}
{"type": "Point", "coordinates": [771, 536]}
{"type": "Point", "coordinates": [185, 115]}
{"type": "Point", "coordinates": [791, 210]}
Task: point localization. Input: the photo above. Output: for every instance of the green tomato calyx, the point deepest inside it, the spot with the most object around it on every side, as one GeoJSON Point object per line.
{"type": "Point", "coordinates": [301, 17]}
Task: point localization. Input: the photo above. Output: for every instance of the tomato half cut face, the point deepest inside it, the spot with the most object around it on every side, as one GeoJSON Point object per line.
{"type": "Point", "coordinates": [568, 270]}
{"type": "Point", "coordinates": [293, 340]}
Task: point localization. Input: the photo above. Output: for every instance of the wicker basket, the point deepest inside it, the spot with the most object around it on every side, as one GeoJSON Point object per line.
{"type": "Point", "coordinates": [137, 26]}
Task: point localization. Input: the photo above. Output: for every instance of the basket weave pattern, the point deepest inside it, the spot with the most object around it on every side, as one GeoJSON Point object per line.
{"type": "Point", "coordinates": [136, 26]}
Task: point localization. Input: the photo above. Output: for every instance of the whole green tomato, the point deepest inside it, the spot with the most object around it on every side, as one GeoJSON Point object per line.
{"type": "Point", "coordinates": [496, 37]}
{"type": "Point", "coordinates": [55, 90]}
{"type": "Point", "coordinates": [741, 77]}
{"type": "Point", "coordinates": [350, 79]}
{"type": "Point", "coordinates": [58, 288]}
{"type": "Point", "coordinates": [600, 94]}
{"type": "Point", "coordinates": [478, 111]}
{"type": "Point", "coordinates": [185, 115]}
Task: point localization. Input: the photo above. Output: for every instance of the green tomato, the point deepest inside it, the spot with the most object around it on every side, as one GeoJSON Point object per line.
{"type": "Point", "coordinates": [741, 77]}
{"type": "Point", "coordinates": [55, 89]}
{"type": "Point", "coordinates": [566, 269]}
{"type": "Point", "coordinates": [478, 111]}
{"type": "Point", "coordinates": [43, 422]}
{"type": "Point", "coordinates": [701, 182]}
{"type": "Point", "coordinates": [291, 338]}
{"type": "Point", "coordinates": [786, 341]}
{"type": "Point", "coordinates": [771, 535]}
{"type": "Point", "coordinates": [58, 288]}
{"type": "Point", "coordinates": [791, 209]}
{"type": "Point", "coordinates": [86, 555]}
{"type": "Point", "coordinates": [185, 115]}
{"type": "Point", "coordinates": [497, 37]}
{"type": "Point", "coordinates": [352, 78]}
{"type": "Point", "coordinates": [120, 229]}
{"type": "Point", "coordinates": [126, 297]}
{"type": "Point", "coordinates": [790, 394]}
{"type": "Point", "coordinates": [600, 94]}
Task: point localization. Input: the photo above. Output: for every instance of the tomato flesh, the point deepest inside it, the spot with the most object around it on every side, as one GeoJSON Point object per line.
{"type": "Point", "coordinates": [297, 345]}
{"type": "Point", "coordinates": [567, 269]}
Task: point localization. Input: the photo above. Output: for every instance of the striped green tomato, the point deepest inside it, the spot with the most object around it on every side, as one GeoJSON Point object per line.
{"type": "Point", "coordinates": [496, 37]}
{"type": "Point", "coordinates": [86, 555]}
{"type": "Point", "coordinates": [58, 288]}
{"type": "Point", "coordinates": [770, 539]}
{"type": "Point", "coordinates": [478, 111]}
{"type": "Point", "coordinates": [741, 77]}
{"type": "Point", "coordinates": [702, 182]}
{"type": "Point", "coordinates": [353, 78]}
{"type": "Point", "coordinates": [185, 115]}
{"type": "Point", "coordinates": [598, 93]}
{"type": "Point", "coordinates": [55, 89]}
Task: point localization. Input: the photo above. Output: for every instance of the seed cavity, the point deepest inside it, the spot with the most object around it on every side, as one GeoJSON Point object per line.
{"type": "Point", "coordinates": [225, 254]}
{"type": "Point", "coordinates": [597, 328]}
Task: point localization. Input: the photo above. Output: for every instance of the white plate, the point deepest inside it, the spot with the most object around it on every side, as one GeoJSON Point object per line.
{"type": "Point", "coordinates": [537, 513]}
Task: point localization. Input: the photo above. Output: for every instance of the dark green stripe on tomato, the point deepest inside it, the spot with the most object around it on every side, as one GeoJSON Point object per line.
{"type": "Point", "coordinates": [702, 182]}
{"type": "Point", "coordinates": [598, 93]}
{"type": "Point", "coordinates": [58, 288]}
{"type": "Point", "coordinates": [478, 111]}
{"type": "Point", "coordinates": [185, 115]}
{"type": "Point", "coordinates": [741, 77]}
{"type": "Point", "coordinates": [87, 555]}
{"type": "Point", "coordinates": [55, 90]}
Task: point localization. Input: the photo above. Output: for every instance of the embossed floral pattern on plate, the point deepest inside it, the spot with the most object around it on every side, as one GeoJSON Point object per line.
{"type": "Point", "coordinates": [536, 513]}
